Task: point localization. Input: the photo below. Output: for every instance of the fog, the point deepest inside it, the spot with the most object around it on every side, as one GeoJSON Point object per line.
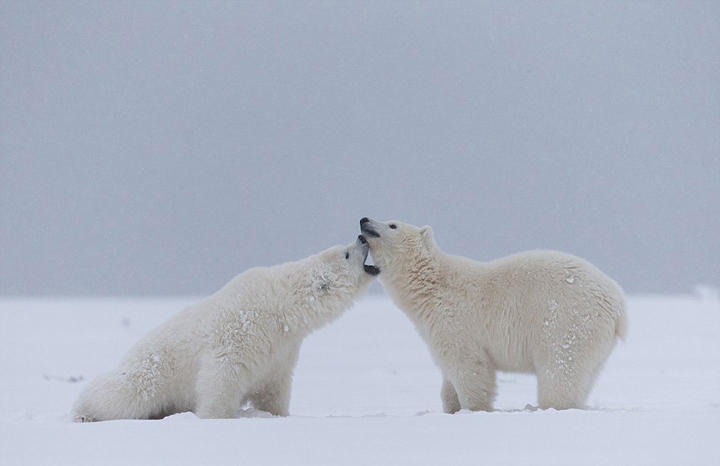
{"type": "Point", "coordinates": [162, 147]}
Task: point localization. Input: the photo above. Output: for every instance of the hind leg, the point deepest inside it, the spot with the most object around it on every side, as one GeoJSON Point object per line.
{"type": "Point", "coordinates": [564, 378]}
{"type": "Point", "coordinates": [120, 395]}
{"type": "Point", "coordinates": [94, 401]}
{"type": "Point", "coordinates": [567, 381]}
{"type": "Point", "coordinates": [569, 371]}
{"type": "Point", "coordinates": [562, 390]}
{"type": "Point", "coordinates": [559, 384]}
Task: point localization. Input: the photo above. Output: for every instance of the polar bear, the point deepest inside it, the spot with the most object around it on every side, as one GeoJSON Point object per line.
{"type": "Point", "coordinates": [240, 344]}
{"type": "Point", "coordinates": [541, 312]}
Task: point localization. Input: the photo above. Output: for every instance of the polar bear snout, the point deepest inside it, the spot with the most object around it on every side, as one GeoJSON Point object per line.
{"type": "Point", "coordinates": [363, 245]}
{"type": "Point", "coordinates": [359, 249]}
{"type": "Point", "coordinates": [368, 229]}
{"type": "Point", "coordinates": [365, 248]}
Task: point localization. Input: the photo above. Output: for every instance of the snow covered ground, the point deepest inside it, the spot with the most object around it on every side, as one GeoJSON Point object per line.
{"type": "Point", "coordinates": [365, 393]}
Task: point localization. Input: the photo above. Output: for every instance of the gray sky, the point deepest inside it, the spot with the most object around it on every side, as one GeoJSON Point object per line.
{"type": "Point", "coordinates": [162, 147]}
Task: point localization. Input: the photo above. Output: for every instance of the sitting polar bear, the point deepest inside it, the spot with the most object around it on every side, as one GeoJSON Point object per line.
{"type": "Point", "coordinates": [240, 344]}
{"type": "Point", "coordinates": [540, 312]}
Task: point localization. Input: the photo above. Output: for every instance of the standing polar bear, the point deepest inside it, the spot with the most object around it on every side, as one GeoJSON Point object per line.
{"type": "Point", "coordinates": [240, 344]}
{"type": "Point", "coordinates": [540, 312]}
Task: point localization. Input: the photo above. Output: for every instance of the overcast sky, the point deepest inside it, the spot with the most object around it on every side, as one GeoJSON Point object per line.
{"type": "Point", "coordinates": [162, 147]}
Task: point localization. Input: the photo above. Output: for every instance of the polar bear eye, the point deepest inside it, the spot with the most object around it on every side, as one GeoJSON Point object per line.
{"type": "Point", "coordinates": [393, 226]}
{"type": "Point", "coordinates": [347, 255]}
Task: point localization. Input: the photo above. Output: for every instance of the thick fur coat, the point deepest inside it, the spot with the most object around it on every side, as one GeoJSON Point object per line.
{"type": "Point", "coordinates": [240, 344]}
{"type": "Point", "coordinates": [541, 312]}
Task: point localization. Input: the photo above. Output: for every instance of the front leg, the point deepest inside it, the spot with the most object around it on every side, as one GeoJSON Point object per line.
{"type": "Point", "coordinates": [474, 382]}
{"type": "Point", "coordinates": [450, 401]}
{"type": "Point", "coordinates": [220, 387]}
{"type": "Point", "coordinates": [272, 394]}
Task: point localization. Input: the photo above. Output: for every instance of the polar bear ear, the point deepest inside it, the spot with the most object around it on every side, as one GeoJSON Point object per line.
{"type": "Point", "coordinates": [427, 236]}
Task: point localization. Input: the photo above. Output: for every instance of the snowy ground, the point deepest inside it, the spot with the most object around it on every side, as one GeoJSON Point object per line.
{"type": "Point", "coordinates": [365, 393]}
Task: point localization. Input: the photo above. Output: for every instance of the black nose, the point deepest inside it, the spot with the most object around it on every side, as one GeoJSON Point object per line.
{"type": "Point", "coordinates": [362, 239]}
{"type": "Point", "coordinates": [364, 220]}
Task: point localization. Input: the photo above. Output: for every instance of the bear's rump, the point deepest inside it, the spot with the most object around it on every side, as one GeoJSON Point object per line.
{"type": "Point", "coordinates": [522, 336]}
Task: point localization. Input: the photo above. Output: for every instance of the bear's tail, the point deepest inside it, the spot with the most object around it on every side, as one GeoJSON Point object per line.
{"type": "Point", "coordinates": [621, 324]}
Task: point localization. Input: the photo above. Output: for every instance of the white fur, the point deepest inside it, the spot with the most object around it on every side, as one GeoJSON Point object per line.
{"type": "Point", "coordinates": [541, 312]}
{"type": "Point", "coordinates": [240, 344]}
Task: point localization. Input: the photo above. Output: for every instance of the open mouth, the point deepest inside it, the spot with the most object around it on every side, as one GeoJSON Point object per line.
{"type": "Point", "coordinates": [369, 268]}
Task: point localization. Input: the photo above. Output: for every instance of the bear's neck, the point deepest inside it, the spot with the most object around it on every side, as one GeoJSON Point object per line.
{"type": "Point", "coordinates": [320, 312]}
{"type": "Point", "coordinates": [314, 305]}
{"type": "Point", "coordinates": [415, 283]}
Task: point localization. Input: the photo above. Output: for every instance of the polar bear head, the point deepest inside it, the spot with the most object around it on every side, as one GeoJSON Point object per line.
{"type": "Point", "coordinates": [395, 244]}
{"type": "Point", "coordinates": [338, 274]}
